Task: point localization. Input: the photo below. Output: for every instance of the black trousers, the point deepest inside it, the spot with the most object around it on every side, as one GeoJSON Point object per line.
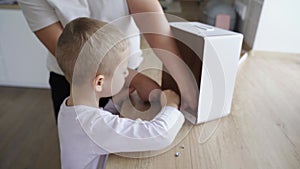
{"type": "Point", "coordinates": [60, 89]}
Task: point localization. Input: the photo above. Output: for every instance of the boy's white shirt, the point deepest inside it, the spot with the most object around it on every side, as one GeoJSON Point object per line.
{"type": "Point", "coordinates": [42, 13]}
{"type": "Point", "coordinates": [85, 133]}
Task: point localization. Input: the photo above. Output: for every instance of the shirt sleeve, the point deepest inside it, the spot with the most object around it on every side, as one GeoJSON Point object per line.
{"type": "Point", "coordinates": [115, 134]}
{"type": "Point", "coordinates": [38, 13]}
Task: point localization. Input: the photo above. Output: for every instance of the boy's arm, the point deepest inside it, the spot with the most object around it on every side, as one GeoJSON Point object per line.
{"type": "Point", "coordinates": [114, 134]}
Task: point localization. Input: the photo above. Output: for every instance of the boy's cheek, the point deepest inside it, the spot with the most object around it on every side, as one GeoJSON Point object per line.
{"type": "Point", "coordinates": [117, 87]}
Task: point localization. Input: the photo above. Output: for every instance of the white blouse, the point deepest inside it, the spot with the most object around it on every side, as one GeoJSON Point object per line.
{"type": "Point", "coordinates": [42, 13]}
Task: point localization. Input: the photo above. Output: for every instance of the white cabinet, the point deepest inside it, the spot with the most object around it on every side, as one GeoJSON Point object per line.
{"type": "Point", "coordinates": [22, 56]}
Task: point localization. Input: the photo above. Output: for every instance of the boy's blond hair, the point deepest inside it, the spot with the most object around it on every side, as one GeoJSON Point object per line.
{"type": "Point", "coordinates": [88, 47]}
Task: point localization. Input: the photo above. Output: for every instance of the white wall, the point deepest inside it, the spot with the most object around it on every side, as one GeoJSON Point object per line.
{"type": "Point", "coordinates": [22, 56]}
{"type": "Point", "coordinates": [279, 27]}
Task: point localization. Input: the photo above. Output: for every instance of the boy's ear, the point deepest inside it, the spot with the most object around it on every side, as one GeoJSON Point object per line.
{"type": "Point", "coordinates": [98, 83]}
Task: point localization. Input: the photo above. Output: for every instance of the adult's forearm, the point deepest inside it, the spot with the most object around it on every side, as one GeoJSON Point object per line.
{"type": "Point", "coordinates": [143, 84]}
{"type": "Point", "coordinates": [49, 36]}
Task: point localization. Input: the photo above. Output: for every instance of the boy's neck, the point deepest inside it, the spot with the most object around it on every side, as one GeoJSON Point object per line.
{"type": "Point", "coordinates": [82, 97]}
{"type": "Point", "coordinates": [79, 101]}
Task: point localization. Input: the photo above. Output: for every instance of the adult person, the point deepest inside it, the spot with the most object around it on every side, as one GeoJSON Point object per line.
{"type": "Point", "coordinates": [47, 19]}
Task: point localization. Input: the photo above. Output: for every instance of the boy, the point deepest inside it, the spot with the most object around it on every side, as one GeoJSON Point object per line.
{"type": "Point", "coordinates": [94, 57]}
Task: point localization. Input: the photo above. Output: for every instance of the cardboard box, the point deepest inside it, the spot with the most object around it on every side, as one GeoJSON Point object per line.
{"type": "Point", "coordinates": [212, 54]}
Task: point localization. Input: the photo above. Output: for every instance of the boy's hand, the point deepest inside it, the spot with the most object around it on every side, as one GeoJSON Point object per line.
{"type": "Point", "coordinates": [169, 98]}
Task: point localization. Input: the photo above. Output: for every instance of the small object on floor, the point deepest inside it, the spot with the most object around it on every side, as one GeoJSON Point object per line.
{"type": "Point", "coordinates": [182, 147]}
{"type": "Point", "coordinates": [177, 154]}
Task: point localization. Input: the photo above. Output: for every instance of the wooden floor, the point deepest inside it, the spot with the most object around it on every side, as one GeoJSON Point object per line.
{"type": "Point", "coordinates": [262, 131]}
{"type": "Point", "coordinates": [28, 134]}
